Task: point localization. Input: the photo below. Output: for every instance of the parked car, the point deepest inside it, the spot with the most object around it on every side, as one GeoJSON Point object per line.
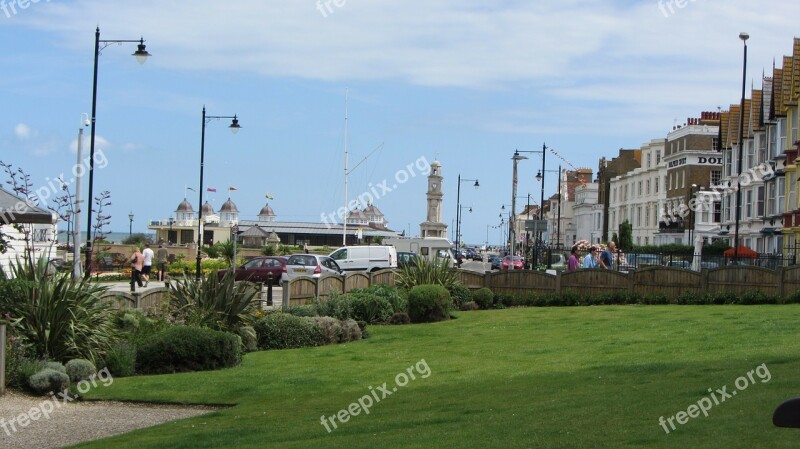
{"type": "Point", "coordinates": [519, 264]}
{"type": "Point", "coordinates": [311, 265]}
{"type": "Point", "coordinates": [708, 265]}
{"type": "Point", "coordinates": [258, 269]}
{"type": "Point", "coordinates": [471, 254]}
{"type": "Point", "coordinates": [679, 264]}
{"type": "Point", "coordinates": [365, 258]}
{"type": "Point", "coordinates": [643, 260]}
{"type": "Point", "coordinates": [405, 259]}
{"type": "Point", "coordinates": [496, 261]}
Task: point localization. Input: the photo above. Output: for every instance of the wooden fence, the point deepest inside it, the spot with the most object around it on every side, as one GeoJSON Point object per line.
{"type": "Point", "coordinates": [646, 281]}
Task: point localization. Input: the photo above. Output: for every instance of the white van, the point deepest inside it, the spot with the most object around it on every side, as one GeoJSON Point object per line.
{"type": "Point", "coordinates": [365, 258]}
{"type": "Point", "coordinates": [431, 248]}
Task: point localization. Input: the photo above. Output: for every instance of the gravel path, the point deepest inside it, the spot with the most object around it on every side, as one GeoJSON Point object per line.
{"type": "Point", "coordinates": [77, 422]}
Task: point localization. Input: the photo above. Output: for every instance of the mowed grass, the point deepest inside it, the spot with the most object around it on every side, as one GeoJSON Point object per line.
{"type": "Point", "coordinates": [581, 377]}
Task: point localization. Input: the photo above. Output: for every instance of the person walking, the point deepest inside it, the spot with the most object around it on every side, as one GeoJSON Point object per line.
{"type": "Point", "coordinates": [137, 263]}
{"type": "Point", "coordinates": [573, 263]}
{"type": "Point", "coordinates": [590, 261]}
{"type": "Point", "coordinates": [147, 268]}
{"type": "Point", "coordinates": [162, 257]}
{"type": "Point", "coordinates": [606, 257]}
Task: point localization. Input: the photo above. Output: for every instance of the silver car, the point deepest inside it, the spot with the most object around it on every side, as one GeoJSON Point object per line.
{"type": "Point", "coordinates": [310, 265]}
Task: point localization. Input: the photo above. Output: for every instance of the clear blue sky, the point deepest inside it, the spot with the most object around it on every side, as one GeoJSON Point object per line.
{"type": "Point", "coordinates": [464, 82]}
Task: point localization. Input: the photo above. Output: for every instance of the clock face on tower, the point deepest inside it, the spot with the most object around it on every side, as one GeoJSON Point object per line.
{"type": "Point", "coordinates": [433, 185]}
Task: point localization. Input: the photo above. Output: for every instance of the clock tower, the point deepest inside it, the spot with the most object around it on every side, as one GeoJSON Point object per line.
{"type": "Point", "coordinates": [433, 226]}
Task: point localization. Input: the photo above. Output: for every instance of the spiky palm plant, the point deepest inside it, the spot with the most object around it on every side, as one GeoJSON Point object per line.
{"type": "Point", "coordinates": [426, 272]}
{"type": "Point", "coordinates": [58, 317]}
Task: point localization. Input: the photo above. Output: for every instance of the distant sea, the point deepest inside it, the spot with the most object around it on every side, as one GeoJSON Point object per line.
{"type": "Point", "coordinates": [114, 237]}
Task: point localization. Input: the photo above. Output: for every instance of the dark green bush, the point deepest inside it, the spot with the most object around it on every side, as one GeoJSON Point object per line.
{"type": "Point", "coordinates": [283, 331]}
{"type": "Point", "coordinates": [484, 298]}
{"type": "Point", "coordinates": [121, 360]}
{"type": "Point", "coordinates": [55, 366]}
{"type": "Point", "coordinates": [400, 318]}
{"type": "Point", "coordinates": [472, 305]}
{"type": "Point", "coordinates": [363, 326]}
{"type": "Point", "coordinates": [185, 348]}
{"type": "Point", "coordinates": [429, 303]}
{"type": "Point", "coordinates": [306, 310]}
{"type": "Point", "coordinates": [80, 369]}
{"type": "Point", "coordinates": [460, 294]}
{"type": "Point", "coordinates": [48, 380]}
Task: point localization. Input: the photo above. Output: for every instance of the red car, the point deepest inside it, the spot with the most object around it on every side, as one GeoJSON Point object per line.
{"type": "Point", "coordinates": [258, 269]}
{"type": "Point", "coordinates": [518, 263]}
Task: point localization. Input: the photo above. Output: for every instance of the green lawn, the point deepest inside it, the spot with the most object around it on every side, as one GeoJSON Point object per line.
{"type": "Point", "coordinates": [581, 377]}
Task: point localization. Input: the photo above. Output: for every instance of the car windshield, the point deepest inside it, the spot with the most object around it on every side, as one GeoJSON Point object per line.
{"type": "Point", "coordinates": [302, 260]}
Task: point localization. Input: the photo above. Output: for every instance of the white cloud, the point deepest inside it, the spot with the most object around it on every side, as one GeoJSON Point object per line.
{"type": "Point", "coordinates": [23, 131]}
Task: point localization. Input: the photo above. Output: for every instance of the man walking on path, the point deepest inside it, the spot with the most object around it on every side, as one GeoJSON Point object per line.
{"type": "Point", "coordinates": [148, 263]}
{"type": "Point", "coordinates": [607, 258]}
{"type": "Point", "coordinates": [162, 256]}
{"type": "Point", "coordinates": [137, 263]}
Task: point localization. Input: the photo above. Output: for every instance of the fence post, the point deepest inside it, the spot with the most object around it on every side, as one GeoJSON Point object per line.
{"type": "Point", "coordinates": [781, 280]}
{"type": "Point", "coordinates": [2, 357]}
{"type": "Point", "coordinates": [558, 283]}
{"type": "Point", "coordinates": [269, 289]}
{"type": "Point", "coordinates": [286, 297]}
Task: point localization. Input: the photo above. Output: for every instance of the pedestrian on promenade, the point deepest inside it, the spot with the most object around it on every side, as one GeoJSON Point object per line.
{"type": "Point", "coordinates": [573, 263]}
{"type": "Point", "coordinates": [162, 257]}
{"type": "Point", "coordinates": [590, 261]}
{"type": "Point", "coordinates": [137, 263]}
{"type": "Point", "coordinates": [148, 263]}
{"type": "Point", "coordinates": [606, 257]}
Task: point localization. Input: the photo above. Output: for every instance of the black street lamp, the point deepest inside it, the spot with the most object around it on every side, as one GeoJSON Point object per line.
{"type": "Point", "coordinates": [743, 37]}
{"type": "Point", "coordinates": [169, 234]}
{"type": "Point", "coordinates": [130, 225]}
{"type": "Point", "coordinates": [540, 177]}
{"type": "Point", "coordinates": [234, 127]}
{"type": "Point", "coordinates": [141, 55]}
{"type": "Point", "coordinates": [458, 210]}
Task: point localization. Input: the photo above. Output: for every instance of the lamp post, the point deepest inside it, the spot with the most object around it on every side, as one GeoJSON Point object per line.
{"type": "Point", "coordinates": [234, 127]}
{"type": "Point", "coordinates": [512, 218]}
{"type": "Point", "coordinates": [743, 37]}
{"type": "Point", "coordinates": [130, 226]}
{"type": "Point", "coordinates": [540, 177]}
{"type": "Point", "coordinates": [141, 55]}
{"type": "Point", "coordinates": [458, 210]}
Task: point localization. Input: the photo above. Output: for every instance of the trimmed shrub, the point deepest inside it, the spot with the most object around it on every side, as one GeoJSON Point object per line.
{"type": "Point", "coordinates": [283, 331]}
{"type": "Point", "coordinates": [80, 369]}
{"type": "Point", "coordinates": [429, 303]}
{"type": "Point", "coordinates": [55, 366]}
{"type": "Point", "coordinates": [400, 318]}
{"type": "Point", "coordinates": [184, 348]}
{"type": "Point", "coordinates": [307, 310]}
{"type": "Point", "coordinates": [472, 305]}
{"type": "Point", "coordinates": [21, 372]}
{"type": "Point", "coordinates": [330, 330]}
{"type": "Point", "coordinates": [484, 298]}
{"type": "Point", "coordinates": [460, 294]}
{"type": "Point", "coordinates": [49, 380]}
{"type": "Point", "coordinates": [351, 331]}
{"type": "Point", "coordinates": [369, 307]}
{"type": "Point", "coordinates": [121, 360]}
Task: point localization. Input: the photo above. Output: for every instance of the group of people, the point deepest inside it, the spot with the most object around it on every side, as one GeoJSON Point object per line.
{"type": "Point", "coordinates": [142, 265]}
{"type": "Point", "coordinates": [594, 259]}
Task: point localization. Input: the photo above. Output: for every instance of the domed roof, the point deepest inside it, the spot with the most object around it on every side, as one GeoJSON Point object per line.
{"type": "Point", "coordinates": [436, 164]}
{"type": "Point", "coordinates": [266, 210]}
{"type": "Point", "coordinates": [229, 206]}
{"type": "Point", "coordinates": [185, 206]}
{"type": "Point", "coordinates": [208, 209]}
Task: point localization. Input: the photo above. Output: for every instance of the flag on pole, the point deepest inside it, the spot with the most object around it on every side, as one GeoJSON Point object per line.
{"type": "Point", "coordinates": [232, 188]}
{"type": "Point", "coordinates": [211, 189]}
{"type": "Point", "coordinates": [269, 197]}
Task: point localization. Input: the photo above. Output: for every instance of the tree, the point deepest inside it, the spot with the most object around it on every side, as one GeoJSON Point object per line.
{"type": "Point", "coordinates": [138, 239]}
{"type": "Point", "coordinates": [625, 236]}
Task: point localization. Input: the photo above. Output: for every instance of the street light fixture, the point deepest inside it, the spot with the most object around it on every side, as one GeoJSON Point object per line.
{"type": "Point", "coordinates": [743, 37]}
{"type": "Point", "coordinates": [130, 226]}
{"type": "Point", "coordinates": [458, 210]}
{"type": "Point", "coordinates": [234, 127]}
{"type": "Point", "coordinates": [141, 56]}
{"type": "Point", "coordinates": [540, 177]}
